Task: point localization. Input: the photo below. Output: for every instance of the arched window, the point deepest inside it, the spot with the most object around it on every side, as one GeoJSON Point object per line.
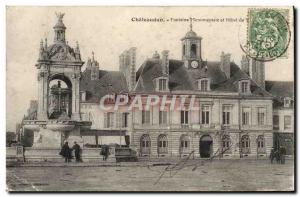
{"type": "Point", "coordinates": [226, 143]}
{"type": "Point", "coordinates": [193, 50]}
{"type": "Point", "coordinates": [183, 49]}
{"type": "Point", "coordinates": [162, 144]}
{"type": "Point", "coordinates": [184, 143]}
{"type": "Point", "coordinates": [260, 144]}
{"type": "Point", "coordinates": [145, 144]}
{"type": "Point", "coordinates": [245, 144]}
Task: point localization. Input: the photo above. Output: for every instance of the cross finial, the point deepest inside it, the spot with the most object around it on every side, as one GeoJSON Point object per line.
{"type": "Point", "coordinates": [191, 24]}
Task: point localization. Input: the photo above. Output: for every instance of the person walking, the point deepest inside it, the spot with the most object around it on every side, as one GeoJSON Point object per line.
{"type": "Point", "coordinates": [66, 152]}
{"type": "Point", "coordinates": [77, 149]}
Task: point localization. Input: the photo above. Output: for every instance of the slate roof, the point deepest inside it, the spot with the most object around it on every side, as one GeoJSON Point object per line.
{"type": "Point", "coordinates": [181, 78]}
{"type": "Point", "coordinates": [280, 89]}
{"type": "Point", "coordinates": [109, 82]}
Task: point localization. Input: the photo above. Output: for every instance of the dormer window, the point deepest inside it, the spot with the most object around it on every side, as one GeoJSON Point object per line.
{"type": "Point", "coordinates": [203, 84]}
{"type": "Point", "coordinates": [244, 86]}
{"type": "Point", "coordinates": [287, 102]}
{"type": "Point", "coordinates": [161, 84]}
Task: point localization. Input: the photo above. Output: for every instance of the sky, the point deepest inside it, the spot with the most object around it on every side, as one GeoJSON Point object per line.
{"type": "Point", "coordinates": [108, 31]}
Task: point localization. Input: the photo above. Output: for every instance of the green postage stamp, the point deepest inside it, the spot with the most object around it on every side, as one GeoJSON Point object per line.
{"type": "Point", "coordinates": [268, 34]}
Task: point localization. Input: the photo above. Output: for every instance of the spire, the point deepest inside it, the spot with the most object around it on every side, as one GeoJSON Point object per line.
{"type": "Point", "coordinates": [191, 24]}
{"type": "Point", "coordinates": [93, 56]}
{"type": "Point", "coordinates": [41, 45]}
{"type": "Point", "coordinates": [77, 47]}
{"type": "Point", "coordinates": [46, 45]}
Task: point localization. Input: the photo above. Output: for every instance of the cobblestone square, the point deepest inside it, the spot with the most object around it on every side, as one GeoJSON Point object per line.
{"type": "Point", "coordinates": [218, 175]}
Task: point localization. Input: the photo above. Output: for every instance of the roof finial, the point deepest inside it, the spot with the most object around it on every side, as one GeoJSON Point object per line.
{"type": "Point", "coordinates": [59, 15]}
{"type": "Point", "coordinates": [46, 45]}
{"type": "Point", "coordinates": [191, 24]}
{"type": "Point", "coordinates": [93, 55]}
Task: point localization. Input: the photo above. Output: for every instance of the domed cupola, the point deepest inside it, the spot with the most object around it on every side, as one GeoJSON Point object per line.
{"type": "Point", "coordinates": [59, 28]}
{"type": "Point", "coordinates": [191, 49]}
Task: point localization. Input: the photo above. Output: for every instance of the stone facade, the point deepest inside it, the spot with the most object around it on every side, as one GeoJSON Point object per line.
{"type": "Point", "coordinates": [233, 118]}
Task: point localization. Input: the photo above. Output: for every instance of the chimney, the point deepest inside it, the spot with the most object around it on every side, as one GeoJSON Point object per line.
{"type": "Point", "coordinates": [121, 62]}
{"type": "Point", "coordinates": [225, 64]}
{"type": "Point", "coordinates": [131, 66]}
{"type": "Point", "coordinates": [165, 62]}
{"type": "Point", "coordinates": [257, 72]}
{"type": "Point", "coordinates": [127, 65]}
{"type": "Point", "coordinates": [245, 64]}
{"type": "Point", "coordinates": [94, 67]}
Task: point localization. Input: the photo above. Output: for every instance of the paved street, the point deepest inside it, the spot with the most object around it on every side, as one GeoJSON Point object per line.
{"type": "Point", "coordinates": [224, 175]}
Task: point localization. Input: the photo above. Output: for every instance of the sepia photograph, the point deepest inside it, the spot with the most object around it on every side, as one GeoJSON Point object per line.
{"type": "Point", "coordinates": [150, 99]}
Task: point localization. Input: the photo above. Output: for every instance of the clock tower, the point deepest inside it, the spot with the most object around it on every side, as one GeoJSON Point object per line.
{"type": "Point", "coordinates": [191, 49]}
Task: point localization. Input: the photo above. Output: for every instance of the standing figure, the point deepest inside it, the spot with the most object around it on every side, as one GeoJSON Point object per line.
{"type": "Point", "coordinates": [277, 156]}
{"type": "Point", "coordinates": [282, 152]}
{"type": "Point", "coordinates": [77, 149]}
{"type": "Point", "coordinates": [66, 152]}
{"type": "Point", "coordinates": [272, 155]}
{"type": "Point", "coordinates": [104, 152]}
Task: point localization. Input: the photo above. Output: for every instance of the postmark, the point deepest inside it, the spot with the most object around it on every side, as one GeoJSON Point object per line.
{"type": "Point", "coordinates": [268, 34]}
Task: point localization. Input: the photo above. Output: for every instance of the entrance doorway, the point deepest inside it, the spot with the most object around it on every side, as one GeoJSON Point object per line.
{"type": "Point", "coordinates": [205, 146]}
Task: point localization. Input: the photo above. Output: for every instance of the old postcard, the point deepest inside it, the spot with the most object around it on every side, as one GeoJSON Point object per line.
{"type": "Point", "coordinates": [150, 99]}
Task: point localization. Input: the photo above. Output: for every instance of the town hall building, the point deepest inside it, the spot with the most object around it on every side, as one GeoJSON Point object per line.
{"type": "Point", "coordinates": [234, 118]}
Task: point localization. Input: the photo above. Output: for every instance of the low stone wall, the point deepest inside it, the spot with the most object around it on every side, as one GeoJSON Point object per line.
{"type": "Point", "coordinates": [34, 154]}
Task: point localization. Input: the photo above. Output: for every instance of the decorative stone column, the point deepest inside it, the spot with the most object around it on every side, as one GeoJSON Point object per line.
{"type": "Point", "coordinates": [42, 93]}
{"type": "Point", "coordinates": [76, 96]}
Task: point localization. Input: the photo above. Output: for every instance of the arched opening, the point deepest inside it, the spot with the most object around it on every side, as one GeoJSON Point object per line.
{"type": "Point", "coordinates": [260, 144]}
{"type": "Point", "coordinates": [183, 49]}
{"type": "Point", "coordinates": [185, 144]}
{"type": "Point", "coordinates": [162, 144]}
{"type": "Point", "coordinates": [59, 97]}
{"type": "Point", "coordinates": [145, 144]}
{"type": "Point", "coordinates": [193, 50]}
{"type": "Point", "coordinates": [245, 144]}
{"type": "Point", "coordinates": [205, 146]}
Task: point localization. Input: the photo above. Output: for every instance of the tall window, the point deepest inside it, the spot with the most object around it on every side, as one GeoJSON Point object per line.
{"type": "Point", "coordinates": [245, 86]}
{"type": "Point", "coordinates": [226, 143]}
{"type": "Point", "coordinates": [287, 122]}
{"type": "Point", "coordinates": [125, 119]}
{"type": "Point", "coordinates": [162, 144]}
{"type": "Point", "coordinates": [183, 49]}
{"type": "Point", "coordinates": [245, 144]}
{"type": "Point", "coordinates": [162, 86]}
{"type": "Point", "coordinates": [261, 116]}
{"type": "Point", "coordinates": [184, 117]}
{"type": "Point", "coordinates": [145, 144]}
{"type": "Point", "coordinates": [226, 115]}
{"type": "Point", "coordinates": [145, 117]}
{"type": "Point", "coordinates": [193, 50]}
{"type": "Point", "coordinates": [204, 85]}
{"type": "Point", "coordinates": [108, 120]}
{"type": "Point", "coordinates": [184, 143]}
{"type": "Point", "coordinates": [260, 144]}
{"type": "Point", "coordinates": [162, 117]}
{"type": "Point", "coordinates": [276, 122]}
{"type": "Point", "coordinates": [246, 116]}
{"type": "Point", "coordinates": [205, 115]}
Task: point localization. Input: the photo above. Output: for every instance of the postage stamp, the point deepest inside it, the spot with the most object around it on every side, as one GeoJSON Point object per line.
{"type": "Point", "coordinates": [268, 34]}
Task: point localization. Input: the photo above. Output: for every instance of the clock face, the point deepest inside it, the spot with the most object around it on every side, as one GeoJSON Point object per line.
{"type": "Point", "coordinates": [194, 64]}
